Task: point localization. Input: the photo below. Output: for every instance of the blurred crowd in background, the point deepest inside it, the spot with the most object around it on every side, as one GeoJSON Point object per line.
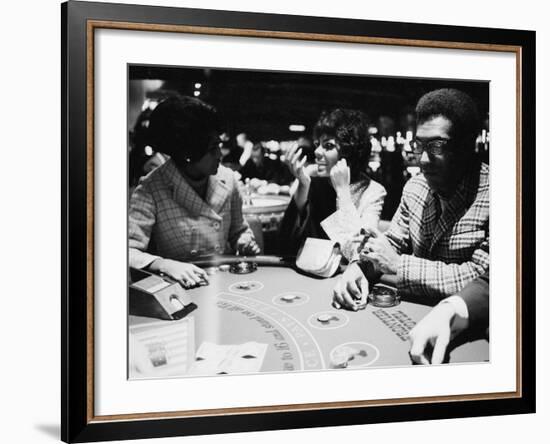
{"type": "Point", "coordinates": [265, 114]}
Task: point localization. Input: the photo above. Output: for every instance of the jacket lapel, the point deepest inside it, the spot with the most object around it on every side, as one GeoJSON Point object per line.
{"type": "Point", "coordinates": [186, 196]}
{"type": "Point", "coordinates": [457, 206]}
{"type": "Point", "coordinates": [217, 194]}
{"type": "Point", "coordinates": [449, 216]}
{"type": "Point", "coordinates": [429, 220]}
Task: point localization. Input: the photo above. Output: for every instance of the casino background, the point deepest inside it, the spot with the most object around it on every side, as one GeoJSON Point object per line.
{"type": "Point", "coordinates": [275, 109]}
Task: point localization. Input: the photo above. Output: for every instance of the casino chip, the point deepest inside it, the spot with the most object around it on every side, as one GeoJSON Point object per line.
{"type": "Point", "coordinates": [243, 267]}
{"type": "Point", "coordinates": [353, 355]}
{"type": "Point", "coordinates": [246, 287]}
{"type": "Point", "coordinates": [326, 318]}
{"type": "Point", "coordinates": [361, 303]}
{"type": "Point", "coordinates": [224, 267]}
{"type": "Point", "coordinates": [384, 297]}
{"type": "Point", "coordinates": [339, 361]}
{"type": "Point", "coordinates": [289, 297]}
{"type": "Point", "coordinates": [341, 357]}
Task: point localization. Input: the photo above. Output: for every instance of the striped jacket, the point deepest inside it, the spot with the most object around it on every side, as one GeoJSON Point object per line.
{"type": "Point", "coordinates": [440, 255]}
{"type": "Point", "coordinates": [168, 219]}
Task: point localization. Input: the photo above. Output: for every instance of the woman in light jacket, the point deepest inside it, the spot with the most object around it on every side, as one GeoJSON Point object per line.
{"type": "Point", "coordinates": [190, 206]}
{"type": "Point", "coordinates": [340, 183]}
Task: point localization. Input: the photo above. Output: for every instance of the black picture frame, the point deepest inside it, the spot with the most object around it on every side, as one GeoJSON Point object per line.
{"type": "Point", "coordinates": [78, 423]}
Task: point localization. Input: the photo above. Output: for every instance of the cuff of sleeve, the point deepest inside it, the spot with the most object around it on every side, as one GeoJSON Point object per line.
{"type": "Point", "coordinates": [140, 259]}
{"type": "Point", "coordinates": [460, 307]}
{"type": "Point", "coordinates": [343, 201]}
{"type": "Point", "coordinates": [403, 269]}
{"type": "Point", "coordinates": [460, 320]}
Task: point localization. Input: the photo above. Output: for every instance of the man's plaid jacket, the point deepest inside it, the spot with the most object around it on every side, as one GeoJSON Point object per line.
{"type": "Point", "coordinates": [442, 251]}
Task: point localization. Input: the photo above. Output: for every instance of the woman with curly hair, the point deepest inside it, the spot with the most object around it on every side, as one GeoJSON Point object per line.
{"type": "Point", "coordinates": [342, 154]}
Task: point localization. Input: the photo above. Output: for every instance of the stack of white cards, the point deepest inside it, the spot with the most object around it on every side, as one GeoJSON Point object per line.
{"type": "Point", "coordinates": [215, 359]}
{"type": "Point", "coordinates": [341, 225]}
{"type": "Point", "coordinates": [320, 257]}
{"type": "Point", "coordinates": [344, 226]}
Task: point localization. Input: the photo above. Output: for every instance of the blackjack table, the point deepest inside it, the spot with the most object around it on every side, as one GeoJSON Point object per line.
{"type": "Point", "coordinates": [292, 312]}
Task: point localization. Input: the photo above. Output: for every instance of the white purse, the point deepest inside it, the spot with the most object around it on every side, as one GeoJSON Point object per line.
{"type": "Point", "coordinates": [320, 257]}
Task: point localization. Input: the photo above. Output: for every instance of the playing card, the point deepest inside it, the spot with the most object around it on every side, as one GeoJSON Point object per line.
{"type": "Point", "coordinates": [213, 359]}
{"type": "Point", "coordinates": [341, 225]}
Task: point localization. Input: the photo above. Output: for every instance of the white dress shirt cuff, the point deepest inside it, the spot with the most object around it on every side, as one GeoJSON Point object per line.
{"type": "Point", "coordinates": [140, 259]}
{"type": "Point", "coordinates": [460, 320]}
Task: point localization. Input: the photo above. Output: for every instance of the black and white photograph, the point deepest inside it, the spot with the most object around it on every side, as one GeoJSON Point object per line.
{"type": "Point", "coordinates": [276, 221]}
{"type": "Point", "coordinates": [283, 221]}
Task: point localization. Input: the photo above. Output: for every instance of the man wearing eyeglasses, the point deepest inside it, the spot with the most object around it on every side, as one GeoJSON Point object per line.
{"type": "Point", "coordinates": [438, 240]}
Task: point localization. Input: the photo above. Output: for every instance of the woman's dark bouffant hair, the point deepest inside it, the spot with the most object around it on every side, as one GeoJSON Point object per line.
{"type": "Point", "coordinates": [456, 106]}
{"type": "Point", "coordinates": [182, 127]}
{"type": "Point", "coordinates": [350, 129]}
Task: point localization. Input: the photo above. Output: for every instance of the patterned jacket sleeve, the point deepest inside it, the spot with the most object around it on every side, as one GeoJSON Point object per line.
{"type": "Point", "coordinates": [398, 233]}
{"type": "Point", "coordinates": [142, 217]}
{"type": "Point", "coordinates": [239, 227]}
{"type": "Point", "coordinates": [436, 278]}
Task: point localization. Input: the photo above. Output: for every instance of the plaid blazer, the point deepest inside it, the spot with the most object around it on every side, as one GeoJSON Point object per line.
{"type": "Point", "coordinates": [440, 255]}
{"type": "Point", "coordinates": [168, 219]}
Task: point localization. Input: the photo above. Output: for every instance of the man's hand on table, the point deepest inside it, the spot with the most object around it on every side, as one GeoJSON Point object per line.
{"type": "Point", "coordinates": [437, 328]}
{"type": "Point", "coordinates": [380, 253]}
{"type": "Point", "coordinates": [351, 289]}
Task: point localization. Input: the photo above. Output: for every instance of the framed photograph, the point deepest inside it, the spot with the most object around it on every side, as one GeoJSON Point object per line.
{"type": "Point", "coordinates": [275, 221]}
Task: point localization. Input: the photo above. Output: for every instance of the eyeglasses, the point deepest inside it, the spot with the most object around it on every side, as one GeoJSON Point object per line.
{"type": "Point", "coordinates": [327, 145]}
{"type": "Point", "coordinates": [432, 147]}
